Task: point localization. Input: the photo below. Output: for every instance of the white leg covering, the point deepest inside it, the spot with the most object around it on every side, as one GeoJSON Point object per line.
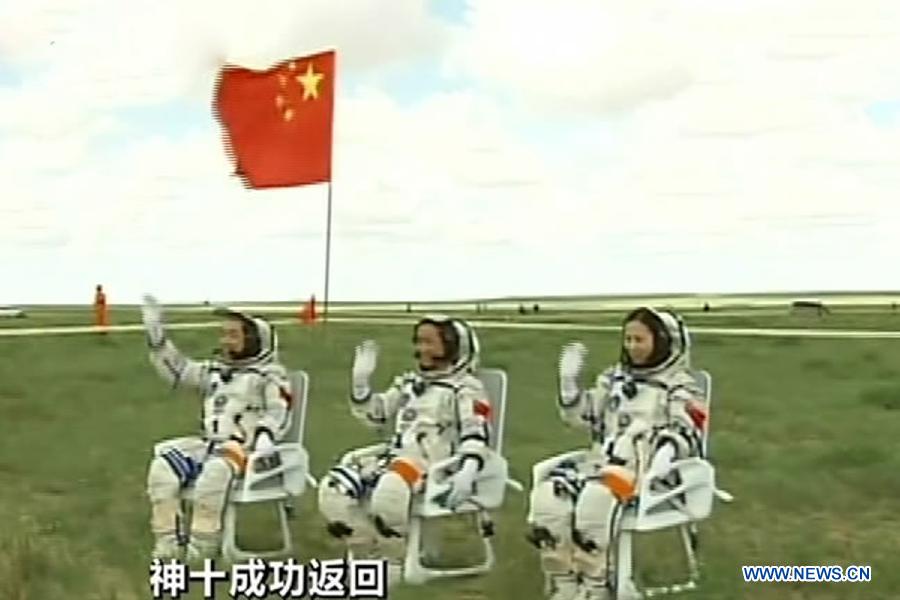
{"type": "Point", "coordinates": [163, 489]}
{"type": "Point", "coordinates": [593, 589]}
{"type": "Point", "coordinates": [166, 547]}
{"type": "Point", "coordinates": [341, 502]}
{"type": "Point", "coordinates": [593, 511]}
{"type": "Point", "coordinates": [175, 467]}
{"type": "Point", "coordinates": [550, 517]}
{"type": "Point", "coordinates": [390, 508]}
{"type": "Point", "coordinates": [210, 494]}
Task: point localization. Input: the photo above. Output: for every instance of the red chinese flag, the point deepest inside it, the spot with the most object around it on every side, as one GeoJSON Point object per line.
{"type": "Point", "coordinates": [277, 124]}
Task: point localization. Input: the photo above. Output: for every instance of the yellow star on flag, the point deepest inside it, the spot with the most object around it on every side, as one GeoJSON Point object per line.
{"type": "Point", "coordinates": [310, 82]}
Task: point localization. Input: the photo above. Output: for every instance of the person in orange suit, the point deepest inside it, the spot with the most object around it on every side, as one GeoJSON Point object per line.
{"type": "Point", "coordinates": [308, 313]}
{"type": "Point", "coordinates": [101, 310]}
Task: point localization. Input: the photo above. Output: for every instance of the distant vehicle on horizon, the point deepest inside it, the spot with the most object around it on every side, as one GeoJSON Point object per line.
{"type": "Point", "coordinates": [805, 306]}
{"type": "Point", "coordinates": [11, 311]}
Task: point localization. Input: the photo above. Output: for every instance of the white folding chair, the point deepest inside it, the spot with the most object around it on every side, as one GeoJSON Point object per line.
{"type": "Point", "coordinates": [489, 494]}
{"type": "Point", "coordinates": [280, 485]}
{"type": "Point", "coordinates": [654, 509]}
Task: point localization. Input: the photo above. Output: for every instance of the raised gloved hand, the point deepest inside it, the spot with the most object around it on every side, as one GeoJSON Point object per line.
{"type": "Point", "coordinates": [571, 362]}
{"type": "Point", "coordinates": [151, 313]}
{"type": "Point", "coordinates": [364, 362]}
{"type": "Point", "coordinates": [462, 484]}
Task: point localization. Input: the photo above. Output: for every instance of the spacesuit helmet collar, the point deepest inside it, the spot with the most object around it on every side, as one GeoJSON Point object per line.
{"type": "Point", "coordinates": [260, 340]}
{"type": "Point", "coordinates": [671, 341]}
{"type": "Point", "coordinates": [462, 348]}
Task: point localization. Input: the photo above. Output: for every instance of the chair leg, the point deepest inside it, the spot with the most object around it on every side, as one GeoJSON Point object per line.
{"type": "Point", "coordinates": [623, 574]}
{"type": "Point", "coordinates": [688, 539]}
{"type": "Point", "coordinates": [413, 570]}
{"type": "Point", "coordinates": [485, 527]}
{"type": "Point", "coordinates": [625, 586]}
{"type": "Point", "coordinates": [687, 533]}
{"type": "Point", "coordinates": [230, 550]}
{"type": "Point", "coordinates": [416, 573]}
{"type": "Point", "coordinates": [285, 513]}
{"type": "Point", "coordinates": [430, 537]}
{"type": "Point", "coordinates": [233, 553]}
{"type": "Point", "coordinates": [489, 557]}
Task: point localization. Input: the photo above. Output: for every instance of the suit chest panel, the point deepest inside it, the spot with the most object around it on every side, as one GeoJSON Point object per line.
{"type": "Point", "coordinates": [646, 403]}
{"type": "Point", "coordinates": [235, 394]}
{"type": "Point", "coordinates": [434, 405]}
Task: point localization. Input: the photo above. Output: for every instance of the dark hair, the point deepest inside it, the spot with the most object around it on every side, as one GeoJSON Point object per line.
{"type": "Point", "coordinates": [449, 337]}
{"type": "Point", "coordinates": [252, 343]}
{"type": "Point", "coordinates": [662, 340]}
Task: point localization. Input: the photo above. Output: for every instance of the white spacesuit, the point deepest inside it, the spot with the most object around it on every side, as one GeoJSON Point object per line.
{"type": "Point", "coordinates": [642, 414]}
{"type": "Point", "coordinates": [438, 411]}
{"type": "Point", "coordinates": [246, 406]}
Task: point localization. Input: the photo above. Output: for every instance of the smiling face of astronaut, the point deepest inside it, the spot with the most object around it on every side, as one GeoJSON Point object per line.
{"type": "Point", "coordinates": [429, 345]}
{"type": "Point", "coordinates": [232, 339]}
{"type": "Point", "coordinates": [638, 342]}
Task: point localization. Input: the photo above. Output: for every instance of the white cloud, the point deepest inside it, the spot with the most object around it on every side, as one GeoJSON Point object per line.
{"type": "Point", "coordinates": [443, 163]}
{"type": "Point", "coordinates": [604, 56]}
{"type": "Point", "coordinates": [93, 56]}
{"type": "Point", "coordinates": [578, 54]}
{"type": "Point", "coordinates": [373, 34]}
{"type": "Point", "coordinates": [744, 142]}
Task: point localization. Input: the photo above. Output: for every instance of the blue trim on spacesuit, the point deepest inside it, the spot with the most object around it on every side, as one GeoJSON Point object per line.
{"type": "Point", "coordinates": [350, 479]}
{"type": "Point", "coordinates": [184, 467]}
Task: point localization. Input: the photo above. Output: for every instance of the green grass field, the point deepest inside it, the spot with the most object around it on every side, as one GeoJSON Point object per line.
{"type": "Point", "coordinates": [803, 435]}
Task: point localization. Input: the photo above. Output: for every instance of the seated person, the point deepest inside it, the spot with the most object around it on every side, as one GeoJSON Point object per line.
{"type": "Point", "coordinates": [645, 410]}
{"type": "Point", "coordinates": [246, 406]}
{"type": "Point", "coordinates": [438, 411]}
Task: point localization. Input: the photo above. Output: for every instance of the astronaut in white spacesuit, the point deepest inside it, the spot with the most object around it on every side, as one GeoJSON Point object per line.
{"type": "Point", "coordinates": [246, 406]}
{"type": "Point", "coordinates": [643, 412]}
{"type": "Point", "coordinates": [439, 410]}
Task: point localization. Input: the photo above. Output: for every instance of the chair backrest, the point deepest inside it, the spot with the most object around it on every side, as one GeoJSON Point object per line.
{"type": "Point", "coordinates": [495, 384]}
{"type": "Point", "coordinates": [299, 381]}
{"type": "Point", "coordinates": [704, 381]}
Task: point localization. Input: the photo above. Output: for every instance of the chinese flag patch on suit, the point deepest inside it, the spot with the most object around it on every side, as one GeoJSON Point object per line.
{"type": "Point", "coordinates": [278, 123]}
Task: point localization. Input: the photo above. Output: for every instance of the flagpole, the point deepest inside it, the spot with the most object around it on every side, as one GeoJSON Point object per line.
{"type": "Point", "coordinates": [330, 180]}
{"type": "Point", "coordinates": [327, 254]}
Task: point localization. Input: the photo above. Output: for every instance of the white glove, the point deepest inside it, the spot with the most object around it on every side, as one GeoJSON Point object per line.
{"type": "Point", "coordinates": [661, 462]}
{"type": "Point", "coordinates": [151, 314]}
{"type": "Point", "coordinates": [364, 363]}
{"type": "Point", "coordinates": [264, 441]}
{"type": "Point", "coordinates": [571, 361]}
{"type": "Point", "coordinates": [462, 484]}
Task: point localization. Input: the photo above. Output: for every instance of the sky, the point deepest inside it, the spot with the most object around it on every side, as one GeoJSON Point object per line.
{"type": "Point", "coordinates": [482, 149]}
